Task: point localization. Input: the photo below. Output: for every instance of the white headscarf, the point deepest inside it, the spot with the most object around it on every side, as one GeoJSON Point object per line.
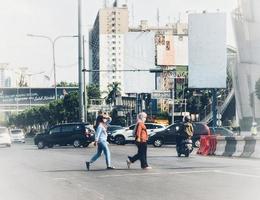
{"type": "Point", "coordinates": [140, 118]}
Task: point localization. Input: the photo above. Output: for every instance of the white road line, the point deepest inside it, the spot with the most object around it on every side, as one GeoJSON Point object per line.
{"type": "Point", "coordinates": [156, 173]}
{"type": "Point", "coordinates": [60, 179]}
{"type": "Point", "coordinates": [237, 174]}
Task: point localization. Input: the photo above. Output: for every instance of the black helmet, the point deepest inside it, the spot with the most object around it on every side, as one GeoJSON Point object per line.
{"type": "Point", "coordinates": [186, 118]}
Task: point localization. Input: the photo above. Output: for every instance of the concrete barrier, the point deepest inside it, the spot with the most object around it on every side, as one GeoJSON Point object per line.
{"type": "Point", "coordinates": [230, 147]}
{"type": "Point", "coordinates": [239, 146]}
{"type": "Point", "coordinates": [249, 147]}
{"type": "Point", "coordinates": [221, 145]}
{"type": "Point", "coordinates": [256, 153]}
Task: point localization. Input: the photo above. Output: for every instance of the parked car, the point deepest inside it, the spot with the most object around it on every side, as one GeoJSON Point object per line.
{"type": "Point", "coordinates": [221, 131]}
{"type": "Point", "coordinates": [17, 135]}
{"type": "Point", "coordinates": [5, 138]}
{"type": "Point", "coordinates": [169, 134]}
{"type": "Point", "coordinates": [76, 134]}
{"type": "Point", "coordinates": [125, 135]}
{"type": "Point", "coordinates": [112, 128]}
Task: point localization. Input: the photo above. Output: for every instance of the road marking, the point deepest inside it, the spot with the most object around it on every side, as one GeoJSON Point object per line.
{"type": "Point", "coordinates": [60, 179]}
{"type": "Point", "coordinates": [236, 174]}
{"type": "Point", "coordinates": [157, 173]}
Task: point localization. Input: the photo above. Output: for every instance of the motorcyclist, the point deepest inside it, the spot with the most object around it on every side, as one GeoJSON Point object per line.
{"type": "Point", "coordinates": [186, 131]}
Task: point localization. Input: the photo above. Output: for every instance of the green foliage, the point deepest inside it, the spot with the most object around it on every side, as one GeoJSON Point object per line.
{"type": "Point", "coordinates": [113, 91]}
{"type": "Point", "coordinates": [58, 111]}
{"type": "Point", "coordinates": [93, 91]}
{"type": "Point", "coordinates": [257, 89]}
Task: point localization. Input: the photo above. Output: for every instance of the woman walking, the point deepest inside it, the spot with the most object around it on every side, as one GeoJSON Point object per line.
{"type": "Point", "coordinates": [101, 141]}
{"type": "Point", "coordinates": [141, 138]}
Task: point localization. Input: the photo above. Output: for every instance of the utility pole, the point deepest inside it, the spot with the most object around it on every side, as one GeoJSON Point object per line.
{"type": "Point", "coordinates": [85, 96]}
{"type": "Point", "coordinates": [80, 58]}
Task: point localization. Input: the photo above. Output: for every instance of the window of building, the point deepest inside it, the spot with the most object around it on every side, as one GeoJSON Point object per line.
{"type": "Point", "coordinates": [180, 38]}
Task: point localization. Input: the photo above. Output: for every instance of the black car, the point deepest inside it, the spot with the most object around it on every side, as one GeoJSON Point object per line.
{"type": "Point", "coordinates": [76, 134]}
{"type": "Point", "coordinates": [169, 134]}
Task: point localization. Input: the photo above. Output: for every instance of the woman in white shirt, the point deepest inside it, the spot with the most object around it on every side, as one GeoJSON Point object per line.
{"type": "Point", "coordinates": [101, 141]}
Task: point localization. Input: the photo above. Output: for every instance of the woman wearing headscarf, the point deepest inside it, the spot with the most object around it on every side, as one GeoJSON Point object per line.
{"type": "Point", "coordinates": [141, 138]}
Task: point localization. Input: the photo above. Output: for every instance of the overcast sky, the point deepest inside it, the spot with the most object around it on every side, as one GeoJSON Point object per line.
{"type": "Point", "coordinates": [59, 17]}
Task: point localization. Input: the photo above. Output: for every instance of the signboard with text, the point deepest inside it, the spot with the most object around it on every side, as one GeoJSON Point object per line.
{"type": "Point", "coordinates": [32, 95]}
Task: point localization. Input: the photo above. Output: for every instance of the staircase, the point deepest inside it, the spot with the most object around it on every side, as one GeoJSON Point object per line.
{"type": "Point", "coordinates": [208, 118]}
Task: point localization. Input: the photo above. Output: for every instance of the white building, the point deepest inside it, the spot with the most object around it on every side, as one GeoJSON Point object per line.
{"type": "Point", "coordinates": [107, 45]}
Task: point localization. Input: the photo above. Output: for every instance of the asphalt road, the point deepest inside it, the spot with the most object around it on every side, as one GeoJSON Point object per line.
{"type": "Point", "coordinates": [27, 173]}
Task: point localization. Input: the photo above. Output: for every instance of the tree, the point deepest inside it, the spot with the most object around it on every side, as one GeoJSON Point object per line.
{"type": "Point", "coordinates": [113, 91]}
{"type": "Point", "coordinates": [257, 88]}
{"type": "Point", "coordinates": [93, 91]}
{"type": "Point", "coordinates": [22, 82]}
{"type": "Point", "coordinates": [71, 107]}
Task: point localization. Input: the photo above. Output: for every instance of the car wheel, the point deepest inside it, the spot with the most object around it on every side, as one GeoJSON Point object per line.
{"type": "Point", "coordinates": [157, 142]}
{"type": "Point", "coordinates": [85, 145]}
{"type": "Point", "coordinates": [76, 143]}
{"type": "Point", "coordinates": [197, 143]}
{"type": "Point", "coordinates": [40, 145]}
{"type": "Point", "coordinates": [120, 140]}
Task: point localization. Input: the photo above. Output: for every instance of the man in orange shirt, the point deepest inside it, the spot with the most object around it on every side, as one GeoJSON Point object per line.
{"type": "Point", "coordinates": [141, 138]}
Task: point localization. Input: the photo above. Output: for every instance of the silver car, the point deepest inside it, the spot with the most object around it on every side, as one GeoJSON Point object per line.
{"type": "Point", "coordinates": [17, 135]}
{"type": "Point", "coordinates": [5, 138]}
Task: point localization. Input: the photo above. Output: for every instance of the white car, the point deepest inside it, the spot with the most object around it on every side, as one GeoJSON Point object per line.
{"type": "Point", "coordinates": [5, 138]}
{"type": "Point", "coordinates": [125, 135]}
{"type": "Point", "coordinates": [17, 135]}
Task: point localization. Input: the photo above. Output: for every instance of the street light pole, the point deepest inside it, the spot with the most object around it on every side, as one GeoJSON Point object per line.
{"type": "Point", "coordinates": [85, 97]}
{"type": "Point", "coordinates": [80, 58]}
{"type": "Point", "coordinates": [53, 41]}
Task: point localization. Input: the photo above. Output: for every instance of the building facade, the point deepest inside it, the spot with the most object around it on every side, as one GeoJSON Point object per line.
{"type": "Point", "coordinates": [107, 46]}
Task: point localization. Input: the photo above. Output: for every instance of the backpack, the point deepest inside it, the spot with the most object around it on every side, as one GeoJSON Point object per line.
{"type": "Point", "coordinates": [189, 129]}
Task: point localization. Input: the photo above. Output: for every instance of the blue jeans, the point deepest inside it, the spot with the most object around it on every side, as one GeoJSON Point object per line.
{"type": "Point", "coordinates": [102, 147]}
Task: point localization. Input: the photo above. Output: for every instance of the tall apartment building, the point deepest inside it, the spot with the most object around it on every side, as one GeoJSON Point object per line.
{"type": "Point", "coordinates": [107, 45]}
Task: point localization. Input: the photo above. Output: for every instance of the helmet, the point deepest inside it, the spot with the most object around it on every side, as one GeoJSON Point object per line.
{"type": "Point", "coordinates": [186, 118]}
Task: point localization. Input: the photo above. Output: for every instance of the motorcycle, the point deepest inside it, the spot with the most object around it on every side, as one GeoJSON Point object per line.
{"type": "Point", "coordinates": [184, 147]}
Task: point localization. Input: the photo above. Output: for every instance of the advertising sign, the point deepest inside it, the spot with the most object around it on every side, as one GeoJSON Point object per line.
{"type": "Point", "coordinates": [207, 50]}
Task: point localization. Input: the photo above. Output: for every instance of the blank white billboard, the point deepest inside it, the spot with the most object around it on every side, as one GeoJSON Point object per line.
{"type": "Point", "coordinates": [139, 51]}
{"type": "Point", "coordinates": [207, 50]}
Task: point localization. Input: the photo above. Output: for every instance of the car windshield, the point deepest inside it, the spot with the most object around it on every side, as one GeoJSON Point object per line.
{"type": "Point", "coordinates": [16, 131]}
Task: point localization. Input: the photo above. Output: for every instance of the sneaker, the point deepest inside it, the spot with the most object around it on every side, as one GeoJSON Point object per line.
{"type": "Point", "coordinates": [148, 167]}
{"type": "Point", "coordinates": [110, 168]}
{"type": "Point", "coordinates": [87, 165]}
{"type": "Point", "coordinates": [128, 163]}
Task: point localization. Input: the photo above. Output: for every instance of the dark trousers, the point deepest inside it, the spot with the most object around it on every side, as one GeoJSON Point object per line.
{"type": "Point", "coordinates": [141, 155]}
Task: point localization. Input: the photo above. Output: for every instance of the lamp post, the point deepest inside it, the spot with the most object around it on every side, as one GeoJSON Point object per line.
{"type": "Point", "coordinates": [30, 86]}
{"type": "Point", "coordinates": [80, 68]}
{"type": "Point", "coordinates": [53, 41]}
